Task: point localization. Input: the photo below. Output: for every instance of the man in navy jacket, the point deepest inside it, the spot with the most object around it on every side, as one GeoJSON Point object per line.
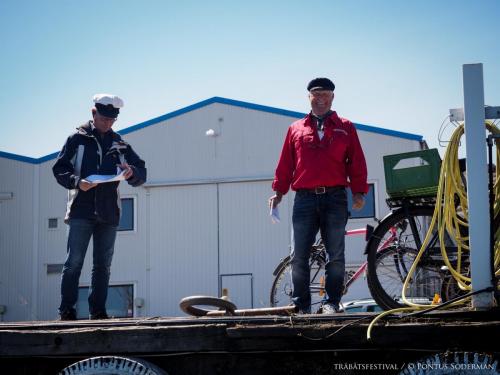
{"type": "Point", "coordinates": [93, 210]}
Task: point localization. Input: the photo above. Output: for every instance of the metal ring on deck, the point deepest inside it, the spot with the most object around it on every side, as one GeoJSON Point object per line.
{"type": "Point", "coordinates": [188, 304]}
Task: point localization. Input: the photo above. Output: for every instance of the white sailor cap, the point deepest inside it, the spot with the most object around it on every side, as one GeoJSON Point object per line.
{"type": "Point", "coordinates": [108, 105]}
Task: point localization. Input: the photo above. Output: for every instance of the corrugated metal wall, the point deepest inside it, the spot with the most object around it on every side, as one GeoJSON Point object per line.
{"type": "Point", "coordinates": [51, 242]}
{"type": "Point", "coordinates": [183, 250]}
{"type": "Point", "coordinates": [249, 242]}
{"type": "Point", "coordinates": [17, 257]}
{"type": "Point", "coordinates": [202, 219]}
{"type": "Point", "coordinates": [248, 144]}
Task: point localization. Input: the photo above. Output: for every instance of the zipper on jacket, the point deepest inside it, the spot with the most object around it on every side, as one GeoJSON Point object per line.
{"type": "Point", "coordinates": [99, 152]}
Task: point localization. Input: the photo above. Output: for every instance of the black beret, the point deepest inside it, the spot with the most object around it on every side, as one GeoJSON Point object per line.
{"type": "Point", "coordinates": [321, 84]}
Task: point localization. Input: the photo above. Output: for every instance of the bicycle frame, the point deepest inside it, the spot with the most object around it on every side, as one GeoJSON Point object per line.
{"type": "Point", "coordinates": [318, 260]}
{"type": "Point", "coordinates": [353, 232]}
{"type": "Point", "coordinates": [362, 268]}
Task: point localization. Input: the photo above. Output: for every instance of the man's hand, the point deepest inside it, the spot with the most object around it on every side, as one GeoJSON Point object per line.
{"type": "Point", "coordinates": [358, 201]}
{"type": "Point", "coordinates": [85, 185]}
{"type": "Point", "coordinates": [275, 199]}
{"type": "Point", "coordinates": [128, 171]}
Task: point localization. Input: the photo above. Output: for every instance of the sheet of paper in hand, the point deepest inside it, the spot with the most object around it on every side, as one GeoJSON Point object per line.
{"type": "Point", "coordinates": [275, 215]}
{"type": "Point", "coordinates": [101, 178]}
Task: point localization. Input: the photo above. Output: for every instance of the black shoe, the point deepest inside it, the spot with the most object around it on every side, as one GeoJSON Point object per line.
{"type": "Point", "coordinates": [99, 316]}
{"type": "Point", "coordinates": [67, 315]}
{"type": "Point", "coordinates": [300, 310]}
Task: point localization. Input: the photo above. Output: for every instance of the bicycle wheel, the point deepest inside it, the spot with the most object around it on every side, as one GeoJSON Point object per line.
{"type": "Point", "coordinates": [281, 290]}
{"type": "Point", "coordinates": [391, 252]}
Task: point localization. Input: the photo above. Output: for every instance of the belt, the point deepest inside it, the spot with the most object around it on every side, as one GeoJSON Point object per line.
{"type": "Point", "coordinates": [322, 189]}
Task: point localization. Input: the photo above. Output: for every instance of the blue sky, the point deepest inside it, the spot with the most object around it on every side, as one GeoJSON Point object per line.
{"type": "Point", "coordinates": [396, 64]}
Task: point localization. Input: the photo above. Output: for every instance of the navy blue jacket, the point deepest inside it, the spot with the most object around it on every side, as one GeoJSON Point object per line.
{"type": "Point", "coordinates": [101, 156]}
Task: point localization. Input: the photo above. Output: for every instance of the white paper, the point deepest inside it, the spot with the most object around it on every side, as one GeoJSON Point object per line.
{"type": "Point", "coordinates": [102, 178]}
{"type": "Point", "coordinates": [275, 215]}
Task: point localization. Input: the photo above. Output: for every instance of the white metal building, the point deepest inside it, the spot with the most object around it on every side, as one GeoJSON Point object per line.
{"type": "Point", "coordinates": [201, 222]}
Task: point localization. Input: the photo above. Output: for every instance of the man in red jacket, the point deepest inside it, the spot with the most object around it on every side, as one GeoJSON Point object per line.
{"type": "Point", "coordinates": [321, 156]}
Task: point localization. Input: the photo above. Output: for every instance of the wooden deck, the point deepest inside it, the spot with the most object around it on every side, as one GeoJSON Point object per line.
{"type": "Point", "coordinates": [267, 344]}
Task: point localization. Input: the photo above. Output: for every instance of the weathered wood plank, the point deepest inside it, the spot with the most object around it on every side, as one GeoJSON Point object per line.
{"type": "Point", "coordinates": [241, 336]}
{"type": "Point", "coordinates": [112, 340]}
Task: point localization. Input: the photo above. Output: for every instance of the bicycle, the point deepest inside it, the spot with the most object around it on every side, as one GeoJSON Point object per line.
{"type": "Point", "coordinates": [281, 289]}
{"type": "Point", "coordinates": [391, 250]}
{"type": "Point", "coordinates": [387, 271]}
{"type": "Point", "coordinates": [407, 226]}
{"type": "Point", "coordinates": [395, 243]}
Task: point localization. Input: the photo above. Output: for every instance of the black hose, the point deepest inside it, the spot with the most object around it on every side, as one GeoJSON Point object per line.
{"type": "Point", "coordinates": [447, 303]}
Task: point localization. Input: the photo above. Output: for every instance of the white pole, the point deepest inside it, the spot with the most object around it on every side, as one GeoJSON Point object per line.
{"type": "Point", "coordinates": [477, 187]}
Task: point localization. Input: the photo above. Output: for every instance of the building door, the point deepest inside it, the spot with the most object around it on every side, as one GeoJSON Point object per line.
{"type": "Point", "coordinates": [183, 246]}
{"type": "Point", "coordinates": [249, 242]}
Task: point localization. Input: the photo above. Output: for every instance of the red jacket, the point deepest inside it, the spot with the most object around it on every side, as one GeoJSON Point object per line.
{"type": "Point", "coordinates": [306, 162]}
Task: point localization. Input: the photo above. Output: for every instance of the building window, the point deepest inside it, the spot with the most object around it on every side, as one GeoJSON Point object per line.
{"type": "Point", "coordinates": [368, 210]}
{"type": "Point", "coordinates": [119, 304]}
{"type": "Point", "coordinates": [55, 268]}
{"type": "Point", "coordinates": [127, 219]}
{"type": "Point", "coordinates": [53, 223]}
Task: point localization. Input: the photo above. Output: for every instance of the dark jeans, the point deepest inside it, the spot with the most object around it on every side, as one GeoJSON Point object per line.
{"type": "Point", "coordinates": [104, 235]}
{"type": "Point", "coordinates": [328, 214]}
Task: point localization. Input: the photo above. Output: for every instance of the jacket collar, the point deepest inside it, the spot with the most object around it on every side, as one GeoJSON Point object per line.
{"type": "Point", "coordinates": [331, 119]}
{"type": "Point", "coordinates": [87, 130]}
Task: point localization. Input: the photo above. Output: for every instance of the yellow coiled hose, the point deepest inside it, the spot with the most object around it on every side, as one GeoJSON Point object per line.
{"type": "Point", "coordinates": [449, 218]}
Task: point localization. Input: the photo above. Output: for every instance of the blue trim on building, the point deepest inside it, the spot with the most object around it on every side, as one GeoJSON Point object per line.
{"type": "Point", "coordinates": [26, 159]}
{"type": "Point", "coordinates": [258, 107]}
{"type": "Point", "coordinates": [393, 133]}
{"type": "Point", "coordinates": [167, 116]}
{"type": "Point", "coordinates": [217, 99]}
{"type": "Point", "coordinates": [45, 158]}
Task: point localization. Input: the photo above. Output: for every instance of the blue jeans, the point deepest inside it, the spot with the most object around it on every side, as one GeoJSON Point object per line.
{"type": "Point", "coordinates": [104, 235]}
{"type": "Point", "coordinates": [328, 214]}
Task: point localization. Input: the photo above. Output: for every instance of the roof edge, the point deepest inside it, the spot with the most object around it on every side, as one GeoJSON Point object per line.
{"type": "Point", "coordinates": [392, 133]}
{"type": "Point", "coordinates": [220, 100]}
{"type": "Point", "coordinates": [26, 159]}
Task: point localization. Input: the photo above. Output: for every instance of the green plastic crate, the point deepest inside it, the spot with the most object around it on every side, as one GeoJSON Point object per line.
{"type": "Point", "coordinates": [418, 180]}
